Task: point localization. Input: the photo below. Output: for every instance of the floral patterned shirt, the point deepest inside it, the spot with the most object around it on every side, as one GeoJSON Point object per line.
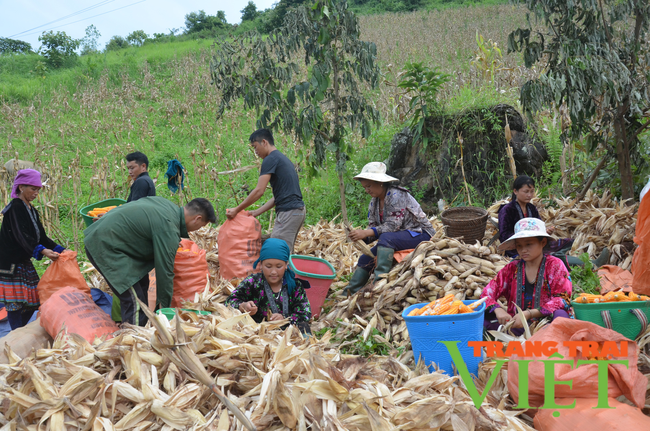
{"type": "Point", "coordinates": [401, 212]}
{"type": "Point", "coordinates": [556, 282]}
{"type": "Point", "coordinates": [252, 289]}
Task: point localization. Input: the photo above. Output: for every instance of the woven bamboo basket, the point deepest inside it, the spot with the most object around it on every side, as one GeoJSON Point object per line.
{"type": "Point", "coordinates": [466, 223]}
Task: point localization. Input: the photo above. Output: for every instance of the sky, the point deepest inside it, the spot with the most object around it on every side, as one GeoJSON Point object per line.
{"type": "Point", "coordinates": [152, 16]}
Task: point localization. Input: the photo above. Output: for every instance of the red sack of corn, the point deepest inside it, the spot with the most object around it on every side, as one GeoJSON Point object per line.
{"type": "Point", "coordinates": [61, 273]}
{"type": "Point", "coordinates": [240, 242]}
{"type": "Point", "coordinates": [78, 312]}
{"type": "Point", "coordinates": [621, 417]}
{"type": "Point", "coordinates": [622, 380]}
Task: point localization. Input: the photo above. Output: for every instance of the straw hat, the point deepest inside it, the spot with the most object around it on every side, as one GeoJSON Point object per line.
{"type": "Point", "coordinates": [375, 171]}
{"type": "Point", "coordinates": [526, 228]}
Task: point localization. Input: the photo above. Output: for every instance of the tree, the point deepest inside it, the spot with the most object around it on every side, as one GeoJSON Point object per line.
{"type": "Point", "coordinates": [249, 13]}
{"type": "Point", "coordinates": [199, 21]}
{"type": "Point", "coordinates": [117, 43]}
{"type": "Point", "coordinates": [89, 43]}
{"type": "Point", "coordinates": [137, 37]}
{"type": "Point", "coordinates": [319, 104]}
{"type": "Point", "coordinates": [57, 47]}
{"type": "Point", "coordinates": [9, 46]}
{"type": "Point", "coordinates": [595, 56]}
{"type": "Point", "coordinates": [280, 11]}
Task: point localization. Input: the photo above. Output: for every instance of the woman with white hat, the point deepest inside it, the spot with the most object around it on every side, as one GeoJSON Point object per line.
{"type": "Point", "coordinates": [395, 219]}
{"type": "Point", "coordinates": [538, 283]}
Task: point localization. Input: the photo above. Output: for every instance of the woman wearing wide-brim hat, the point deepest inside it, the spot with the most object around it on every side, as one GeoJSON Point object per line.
{"type": "Point", "coordinates": [395, 220]}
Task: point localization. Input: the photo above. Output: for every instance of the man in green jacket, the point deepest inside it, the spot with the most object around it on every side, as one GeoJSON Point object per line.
{"type": "Point", "coordinates": [129, 241]}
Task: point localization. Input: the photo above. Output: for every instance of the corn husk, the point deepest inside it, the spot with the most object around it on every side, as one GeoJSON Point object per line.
{"type": "Point", "coordinates": [196, 374]}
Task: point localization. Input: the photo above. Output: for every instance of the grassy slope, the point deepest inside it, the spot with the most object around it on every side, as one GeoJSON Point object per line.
{"type": "Point", "coordinates": [79, 122]}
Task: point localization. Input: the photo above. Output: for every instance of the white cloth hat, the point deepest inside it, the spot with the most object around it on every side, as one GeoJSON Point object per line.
{"type": "Point", "coordinates": [375, 171]}
{"type": "Point", "coordinates": [525, 228]}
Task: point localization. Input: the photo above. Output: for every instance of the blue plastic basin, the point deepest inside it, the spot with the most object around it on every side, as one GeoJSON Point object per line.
{"type": "Point", "coordinates": [425, 333]}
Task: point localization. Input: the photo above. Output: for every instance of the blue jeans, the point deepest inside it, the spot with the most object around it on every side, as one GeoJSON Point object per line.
{"type": "Point", "coordinates": [401, 240]}
{"type": "Point", "coordinates": [19, 318]}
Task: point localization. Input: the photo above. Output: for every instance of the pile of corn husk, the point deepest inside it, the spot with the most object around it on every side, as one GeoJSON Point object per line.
{"type": "Point", "coordinates": [233, 368]}
{"type": "Point", "coordinates": [594, 223]}
{"type": "Point", "coordinates": [328, 240]}
{"type": "Point", "coordinates": [436, 268]}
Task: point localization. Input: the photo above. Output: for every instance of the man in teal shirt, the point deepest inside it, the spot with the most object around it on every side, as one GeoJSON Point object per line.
{"type": "Point", "coordinates": [130, 240]}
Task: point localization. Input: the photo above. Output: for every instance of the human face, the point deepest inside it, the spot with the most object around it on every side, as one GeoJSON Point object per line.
{"type": "Point", "coordinates": [194, 222]}
{"type": "Point", "coordinates": [273, 270]}
{"type": "Point", "coordinates": [261, 148]}
{"type": "Point", "coordinates": [135, 170]}
{"type": "Point", "coordinates": [531, 248]}
{"type": "Point", "coordinates": [28, 193]}
{"type": "Point", "coordinates": [525, 194]}
{"type": "Point", "coordinates": [373, 188]}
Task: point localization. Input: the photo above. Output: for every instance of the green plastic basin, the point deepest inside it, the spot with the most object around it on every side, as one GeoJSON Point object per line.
{"type": "Point", "coordinates": [105, 203]}
{"type": "Point", "coordinates": [169, 313]}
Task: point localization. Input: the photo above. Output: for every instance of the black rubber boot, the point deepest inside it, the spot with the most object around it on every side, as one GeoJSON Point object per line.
{"type": "Point", "coordinates": [384, 261]}
{"type": "Point", "coordinates": [358, 280]}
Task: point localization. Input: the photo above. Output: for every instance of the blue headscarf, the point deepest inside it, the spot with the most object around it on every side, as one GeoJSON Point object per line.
{"type": "Point", "coordinates": [275, 248]}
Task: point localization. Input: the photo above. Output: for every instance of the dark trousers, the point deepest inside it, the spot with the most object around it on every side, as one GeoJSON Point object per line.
{"type": "Point", "coordinates": [491, 323]}
{"type": "Point", "coordinates": [19, 318]}
{"type": "Point", "coordinates": [401, 240]}
{"type": "Point", "coordinates": [131, 311]}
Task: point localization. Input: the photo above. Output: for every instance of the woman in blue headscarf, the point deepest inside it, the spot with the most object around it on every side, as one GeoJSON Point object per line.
{"type": "Point", "coordinates": [274, 293]}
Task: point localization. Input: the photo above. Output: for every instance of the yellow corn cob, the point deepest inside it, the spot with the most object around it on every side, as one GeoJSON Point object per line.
{"type": "Point", "coordinates": [453, 308]}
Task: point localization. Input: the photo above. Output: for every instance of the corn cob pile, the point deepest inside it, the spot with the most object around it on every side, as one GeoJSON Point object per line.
{"type": "Point", "coordinates": [586, 298]}
{"type": "Point", "coordinates": [278, 380]}
{"type": "Point", "coordinates": [595, 222]}
{"type": "Point", "coordinates": [436, 268]}
{"type": "Point", "coordinates": [445, 306]}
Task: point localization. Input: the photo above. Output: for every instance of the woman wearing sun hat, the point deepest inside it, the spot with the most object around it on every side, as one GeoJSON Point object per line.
{"type": "Point", "coordinates": [538, 283]}
{"type": "Point", "coordinates": [395, 220]}
{"type": "Point", "coordinates": [22, 237]}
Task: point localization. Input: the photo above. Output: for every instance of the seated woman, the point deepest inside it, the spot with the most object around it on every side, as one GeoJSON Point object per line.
{"type": "Point", "coordinates": [538, 283]}
{"type": "Point", "coordinates": [520, 207]}
{"type": "Point", "coordinates": [395, 218]}
{"type": "Point", "coordinates": [274, 293]}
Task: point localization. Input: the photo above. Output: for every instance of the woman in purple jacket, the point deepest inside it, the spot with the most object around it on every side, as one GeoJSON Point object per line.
{"type": "Point", "coordinates": [520, 207]}
{"type": "Point", "coordinates": [395, 220]}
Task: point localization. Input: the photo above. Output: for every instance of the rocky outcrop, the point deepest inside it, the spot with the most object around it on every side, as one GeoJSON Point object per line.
{"type": "Point", "coordinates": [434, 172]}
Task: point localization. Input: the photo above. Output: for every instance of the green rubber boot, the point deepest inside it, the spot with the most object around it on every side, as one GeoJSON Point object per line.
{"type": "Point", "coordinates": [358, 280]}
{"type": "Point", "coordinates": [384, 261]}
{"type": "Point", "coordinates": [602, 259]}
{"type": "Point", "coordinates": [598, 262]}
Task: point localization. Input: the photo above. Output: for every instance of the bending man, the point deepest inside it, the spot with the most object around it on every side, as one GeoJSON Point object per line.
{"type": "Point", "coordinates": [132, 239]}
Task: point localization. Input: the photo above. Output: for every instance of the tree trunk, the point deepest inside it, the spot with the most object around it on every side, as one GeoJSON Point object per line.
{"type": "Point", "coordinates": [591, 179]}
{"type": "Point", "coordinates": [563, 167]}
{"type": "Point", "coordinates": [344, 209]}
{"type": "Point", "coordinates": [623, 156]}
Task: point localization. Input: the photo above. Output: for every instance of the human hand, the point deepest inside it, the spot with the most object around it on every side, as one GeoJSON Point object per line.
{"type": "Point", "coordinates": [518, 323]}
{"type": "Point", "coordinates": [231, 213]}
{"type": "Point", "coordinates": [502, 316]}
{"type": "Point", "coordinates": [550, 229]}
{"type": "Point", "coordinates": [53, 255]}
{"type": "Point", "coordinates": [248, 307]}
{"type": "Point", "coordinates": [276, 316]}
{"type": "Point", "coordinates": [254, 213]}
{"type": "Point", "coordinates": [358, 235]}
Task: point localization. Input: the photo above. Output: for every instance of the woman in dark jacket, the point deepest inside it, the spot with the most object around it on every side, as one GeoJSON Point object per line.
{"type": "Point", "coordinates": [22, 237]}
{"type": "Point", "coordinates": [520, 207]}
